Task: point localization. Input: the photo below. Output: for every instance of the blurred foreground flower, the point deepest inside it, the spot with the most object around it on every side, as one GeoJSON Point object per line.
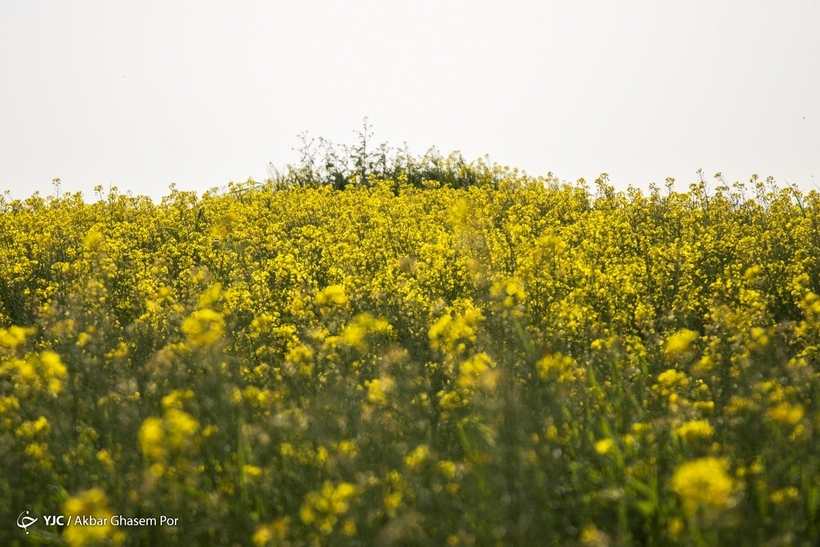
{"type": "Point", "coordinates": [704, 483]}
{"type": "Point", "coordinates": [94, 525]}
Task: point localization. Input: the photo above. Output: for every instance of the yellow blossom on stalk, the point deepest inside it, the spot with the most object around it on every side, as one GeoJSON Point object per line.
{"type": "Point", "coordinates": [262, 323]}
{"type": "Point", "coordinates": [598, 344]}
{"type": "Point", "coordinates": [349, 527]}
{"type": "Point", "coordinates": [675, 527]}
{"type": "Point", "coordinates": [181, 427]}
{"type": "Point", "coordinates": [104, 457]}
{"type": "Point", "coordinates": [759, 337]}
{"type": "Point", "coordinates": [591, 536]}
{"type": "Point", "coordinates": [509, 291]}
{"type": "Point", "coordinates": [301, 355]}
{"type": "Point", "coordinates": [210, 296]}
{"type": "Point", "coordinates": [604, 446]}
{"type": "Point", "coordinates": [779, 497]}
{"type": "Point", "coordinates": [378, 388]}
{"type": "Point", "coordinates": [203, 327]}
{"type": "Point", "coordinates": [556, 366]}
{"type": "Point", "coordinates": [680, 342]}
{"type": "Point", "coordinates": [275, 532]}
{"type": "Point", "coordinates": [551, 433]}
{"type": "Point", "coordinates": [704, 483]}
{"type": "Point", "coordinates": [447, 468]}
{"type": "Point", "coordinates": [694, 430]}
{"type": "Point", "coordinates": [392, 501]}
{"type": "Point", "coordinates": [323, 508]}
{"type": "Point", "coordinates": [451, 400]}
{"type": "Point", "coordinates": [704, 364]}
{"type": "Point", "coordinates": [30, 429]}
{"type": "Point", "coordinates": [252, 471]}
{"type": "Point", "coordinates": [332, 295]}
{"type": "Point", "coordinates": [348, 447]}
{"type": "Point", "coordinates": [176, 430]}
{"type": "Point", "coordinates": [46, 367]}
{"type": "Point", "coordinates": [786, 414]}
{"type": "Point", "coordinates": [450, 333]}
{"type": "Point", "coordinates": [671, 378]}
{"type": "Point", "coordinates": [118, 352]}
{"type": "Point", "coordinates": [286, 450]}
{"type": "Point", "coordinates": [176, 398]}
{"type": "Point", "coordinates": [706, 407]}
{"type": "Point", "coordinates": [38, 452]}
{"type": "Point", "coordinates": [93, 504]}
{"type": "Point", "coordinates": [8, 403]}
{"type": "Point", "coordinates": [752, 272]}
{"type": "Point", "coordinates": [417, 457]}
{"type": "Point", "coordinates": [262, 536]}
{"type": "Point", "coordinates": [25, 370]}
{"type": "Point", "coordinates": [83, 339]}
{"type": "Point", "coordinates": [363, 324]}
{"type": "Point", "coordinates": [93, 239]}
{"type": "Point", "coordinates": [14, 336]}
{"type": "Point", "coordinates": [152, 438]}
{"type": "Point", "coordinates": [739, 404]}
{"type": "Point", "coordinates": [476, 371]}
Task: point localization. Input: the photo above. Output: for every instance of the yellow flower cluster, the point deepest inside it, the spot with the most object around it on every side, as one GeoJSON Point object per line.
{"type": "Point", "coordinates": [324, 507]}
{"type": "Point", "coordinates": [174, 434]}
{"type": "Point", "coordinates": [704, 483]}
{"type": "Point", "coordinates": [92, 524]}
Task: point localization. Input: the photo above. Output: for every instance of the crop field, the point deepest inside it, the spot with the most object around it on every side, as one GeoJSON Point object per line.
{"type": "Point", "coordinates": [456, 354]}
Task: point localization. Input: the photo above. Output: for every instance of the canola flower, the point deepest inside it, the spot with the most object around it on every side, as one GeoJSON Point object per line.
{"type": "Point", "coordinates": [694, 430]}
{"type": "Point", "coordinates": [787, 414]}
{"type": "Point", "coordinates": [203, 327]}
{"type": "Point", "coordinates": [91, 503]}
{"type": "Point", "coordinates": [14, 336]}
{"type": "Point", "coordinates": [680, 342]}
{"type": "Point", "coordinates": [704, 483]}
{"type": "Point", "coordinates": [323, 508]}
{"type": "Point", "coordinates": [332, 295]}
{"type": "Point", "coordinates": [176, 431]}
{"type": "Point", "coordinates": [556, 366]}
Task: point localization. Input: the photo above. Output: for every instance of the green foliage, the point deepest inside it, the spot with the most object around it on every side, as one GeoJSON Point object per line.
{"type": "Point", "coordinates": [324, 164]}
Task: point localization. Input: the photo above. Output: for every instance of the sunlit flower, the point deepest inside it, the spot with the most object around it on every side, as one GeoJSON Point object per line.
{"type": "Point", "coordinates": [14, 336]}
{"type": "Point", "coordinates": [180, 427]}
{"type": "Point", "coordinates": [604, 446]}
{"type": "Point", "coordinates": [88, 505]}
{"type": "Point", "coordinates": [704, 483]}
{"type": "Point", "coordinates": [680, 342]}
{"type": "Point", "coordinates": [152, 438]}
{"type": "Point", "coordinates": [204, 327]}
{"type": "Point", "coordinates": [672, 378]}
{"type": "Point", "coordinates": [557, 366]}
{"type": "Point", "coordinates": [477, 371]}
{"type": "Point", "coordinates": [416, 458]}
{"type": "Point", "coordinates": [694, 430]}
{"type": "Point", "coordinates": [786, 414]}
{"type": "Point", "coordinates": [332, 295]}
{"type": "Point", "coordinates": [378, 388]}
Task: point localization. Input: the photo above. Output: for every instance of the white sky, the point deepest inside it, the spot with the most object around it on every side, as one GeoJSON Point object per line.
{"type": "Point", "coordinates": [142, 94]}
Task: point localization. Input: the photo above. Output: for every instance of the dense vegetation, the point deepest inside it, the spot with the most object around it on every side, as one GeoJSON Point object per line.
{"type": "Point", "coordinates": [428, 352]}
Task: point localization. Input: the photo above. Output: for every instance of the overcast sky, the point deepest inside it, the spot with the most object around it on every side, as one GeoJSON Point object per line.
{"type": "Point", "coordinates": [142, 94]}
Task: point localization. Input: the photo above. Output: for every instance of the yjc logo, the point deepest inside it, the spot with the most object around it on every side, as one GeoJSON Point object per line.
{"type": "Point", "coordinates": [52, 520]}
{"type": "Point", "coordinates": [25, 521]}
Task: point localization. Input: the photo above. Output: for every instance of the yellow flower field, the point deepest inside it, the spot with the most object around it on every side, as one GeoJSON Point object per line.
{"type": "Point", "coordinates": [503, 361]}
